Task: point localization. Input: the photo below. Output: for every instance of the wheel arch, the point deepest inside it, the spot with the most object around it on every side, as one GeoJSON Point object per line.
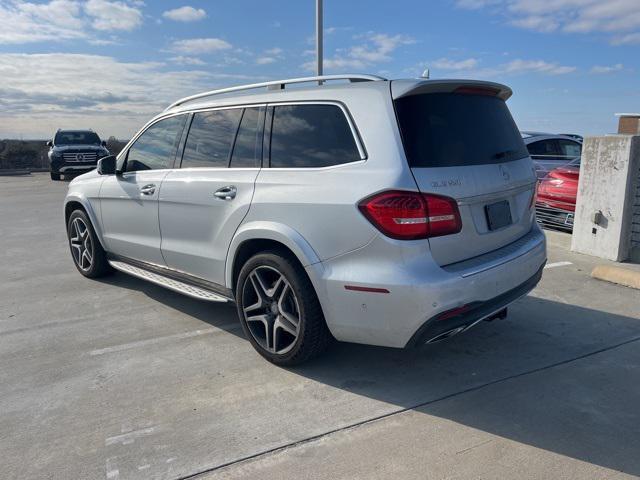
{"type": "Point", "coordinates": [254, 237]}
{"type": "Point", "coordinates": [80, 203]}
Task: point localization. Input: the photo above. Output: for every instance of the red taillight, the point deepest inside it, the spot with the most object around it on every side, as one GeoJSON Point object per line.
{"type": "Point", "coordinates": [412, 215]}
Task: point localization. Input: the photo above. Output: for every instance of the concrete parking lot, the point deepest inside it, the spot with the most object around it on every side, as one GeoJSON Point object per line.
{"type": "Point", "coordinates": [121, 379]}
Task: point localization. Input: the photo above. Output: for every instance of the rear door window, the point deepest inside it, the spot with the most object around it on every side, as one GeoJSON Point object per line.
{"type": "Point", "coordinates": [210, 138]}
{"type": "Point", "coordinates": [450, 129]}
{"type": "Point", "coordinates": [305, 136]}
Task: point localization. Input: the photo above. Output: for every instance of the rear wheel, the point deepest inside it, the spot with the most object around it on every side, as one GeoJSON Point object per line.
{"type": "Point", "coordinates": [55, 176]}
{"type": "Point", "coordinates": [88, 255]}
{"type": "Point", "coordinates": [279, 310]}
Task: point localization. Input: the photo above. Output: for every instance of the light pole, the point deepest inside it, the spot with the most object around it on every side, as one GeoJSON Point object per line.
{"type": "Point", "coordinates": [319, 33]}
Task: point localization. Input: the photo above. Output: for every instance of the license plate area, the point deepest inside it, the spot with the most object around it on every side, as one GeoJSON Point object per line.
{"type": "Point", "coordinates": [498, 215]}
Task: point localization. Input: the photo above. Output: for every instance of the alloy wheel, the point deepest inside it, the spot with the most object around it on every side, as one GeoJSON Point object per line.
{"type": "Point", "coordinates": [81, 245]}
{"type": "Point", "coordinates": [271, 310]}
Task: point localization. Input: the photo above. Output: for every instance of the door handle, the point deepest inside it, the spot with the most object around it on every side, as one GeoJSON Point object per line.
{"type": "Point", "coordinates": [148, 189]}
{"type": "Point", "coordinates": [226, 193]}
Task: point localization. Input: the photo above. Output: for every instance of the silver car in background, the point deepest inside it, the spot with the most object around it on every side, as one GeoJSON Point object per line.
{"type": "Point", "coordinates": [390, 213]}
{"type": "Point", "coordinates": [549, 151]}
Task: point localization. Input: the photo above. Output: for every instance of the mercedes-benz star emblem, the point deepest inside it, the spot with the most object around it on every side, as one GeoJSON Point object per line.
{"type": "Point", "coordinates": [79, 157]}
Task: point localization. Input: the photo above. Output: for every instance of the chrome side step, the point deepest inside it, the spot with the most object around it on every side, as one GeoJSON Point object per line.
{"type": "Point", "coordinates": [170, 283]}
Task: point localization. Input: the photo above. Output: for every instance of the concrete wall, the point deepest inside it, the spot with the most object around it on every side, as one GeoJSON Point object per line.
{"type": "Point", "coordinates": [610, 183]}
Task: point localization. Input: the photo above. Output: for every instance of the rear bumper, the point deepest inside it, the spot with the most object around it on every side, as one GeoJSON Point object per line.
{"type": "Point", "coordinates": [439, 326]}
{"type": "Point", "coordinates": [418, 290]}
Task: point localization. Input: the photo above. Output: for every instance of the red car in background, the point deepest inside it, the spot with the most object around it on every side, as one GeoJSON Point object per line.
{"type": "Point", "coordinates": [556, 197]}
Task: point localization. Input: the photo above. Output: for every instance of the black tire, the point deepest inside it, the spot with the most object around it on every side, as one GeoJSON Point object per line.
{"type": "Point", "coordinates": [98, 265]}
{"type": "Point", "coordinates": [55, 176]}
{"type": "Point", "coordinates": [313, 336]}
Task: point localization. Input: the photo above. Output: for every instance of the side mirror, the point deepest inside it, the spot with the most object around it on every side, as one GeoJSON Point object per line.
{"type": "Point", "coordinates": [103, 143]}
{"type": "Point", "coordinates": [107, 165]}
{"type": "Point", "coordinates": [49, 143]}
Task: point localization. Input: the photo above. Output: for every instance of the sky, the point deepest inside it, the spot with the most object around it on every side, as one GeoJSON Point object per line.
{"type": "Point", "coordinates": [112, 65]}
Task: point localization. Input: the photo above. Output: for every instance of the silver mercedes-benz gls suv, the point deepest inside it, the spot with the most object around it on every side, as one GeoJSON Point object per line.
{"type": "Point", "coordinates": [355, 208]}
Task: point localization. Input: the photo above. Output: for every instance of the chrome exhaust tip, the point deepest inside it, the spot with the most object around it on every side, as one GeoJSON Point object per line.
{"type": "Point", "coordinates": [447, 334]}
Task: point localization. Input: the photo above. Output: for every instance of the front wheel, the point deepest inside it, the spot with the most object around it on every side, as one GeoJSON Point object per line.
{"type": "Point", "coordinates": [54, 176]}
{"type": "Point", "coordinates": [88, 255]}
{"type": "Point", "coordinates": [279, 310]}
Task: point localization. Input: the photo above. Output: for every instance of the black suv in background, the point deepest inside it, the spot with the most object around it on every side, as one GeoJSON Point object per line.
{"type": "Point", "coordinates": [75, 151]}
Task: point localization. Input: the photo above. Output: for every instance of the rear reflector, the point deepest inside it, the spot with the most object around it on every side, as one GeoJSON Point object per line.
{"type": "Point", "coordinates": [454, 312]}
{"type": "Point", "coordinates": [412, 215]}
{"type": "Point", "coordinates": [357, 288]}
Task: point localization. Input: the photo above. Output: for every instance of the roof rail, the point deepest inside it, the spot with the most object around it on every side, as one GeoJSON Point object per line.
{"type": "Point", "coordinates": [277, 85]}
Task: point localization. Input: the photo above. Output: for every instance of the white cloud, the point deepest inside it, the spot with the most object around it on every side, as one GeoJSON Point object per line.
{"type": "Point", "coordinates": [266, 60]}
{"type": "Point", "coordinates": [200, 45]}
{"type": "Point", "coordinates": [272, 55]}
{"type": "Point", "coordinates": [629, 39]}
{"type": "Point", "coordinates": [448, 64]}
{"type": "Point", "coordinates": [24, 22]}
{"type": "Point", "coordinates": [185, 14]}
{"type": "Point", "coordinates": [110, 15]}
{"type": "Point", "coordinates": [602, 69]}
{"type": "Point", "coordinates": [183, 60]}
{"type": "Point", "coordinates": [536, 66]}
{"type": "Point", "coordinates": [618, 18]}
{"type": "Point", "coordinates": [377, 48]}
{"type": "Point", "coordinates": [536, 22]}
{"type": "Point", "coordinates": [104, 41]}
{"type": "Point", "coordinates": [472, 68]}
{"type": "Point", "coordinates": [42, 92]}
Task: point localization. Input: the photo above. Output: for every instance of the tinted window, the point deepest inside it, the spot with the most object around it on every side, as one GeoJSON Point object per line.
{"type": "Point", "coordinates": [448, 129]}
{"type": "Point", "coordinates": [311, 136]}
{"type": "Point", "coordinates": [210, 138]}
{"type": "Point", "coordinates": [76, 138]}
{"type": "Point", "coordinates": [547, 148]}
{"type": "Point", "coordinates": [569, 148]}
{"type": "Point", "coordinates": [245, 151]}
{"type": "Point", "coordinates": [156, 147]}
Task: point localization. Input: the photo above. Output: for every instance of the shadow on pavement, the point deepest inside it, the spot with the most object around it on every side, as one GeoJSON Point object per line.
{"type": "Point", "coordinates": [555, 376]}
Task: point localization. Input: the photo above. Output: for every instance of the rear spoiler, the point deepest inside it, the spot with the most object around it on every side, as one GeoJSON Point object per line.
{"type": "Point", "coordinates": [405, 88]}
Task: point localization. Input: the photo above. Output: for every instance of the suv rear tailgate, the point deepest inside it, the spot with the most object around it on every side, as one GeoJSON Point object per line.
{"type": "Point", "coordinates": [461, 142]}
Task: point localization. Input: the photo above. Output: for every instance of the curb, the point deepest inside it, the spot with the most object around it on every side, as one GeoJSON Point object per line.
{"type": "Point", "coordinates": [622, 276]}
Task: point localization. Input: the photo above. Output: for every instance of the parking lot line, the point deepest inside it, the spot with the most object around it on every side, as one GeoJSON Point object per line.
{"type": "Point", "coordinates": [557, 264]}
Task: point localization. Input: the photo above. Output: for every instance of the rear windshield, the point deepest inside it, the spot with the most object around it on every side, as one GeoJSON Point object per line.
{"type": "Point", "coordinates": [450, 130]}
{"type": "Point", "coordinates": [76, 138]}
